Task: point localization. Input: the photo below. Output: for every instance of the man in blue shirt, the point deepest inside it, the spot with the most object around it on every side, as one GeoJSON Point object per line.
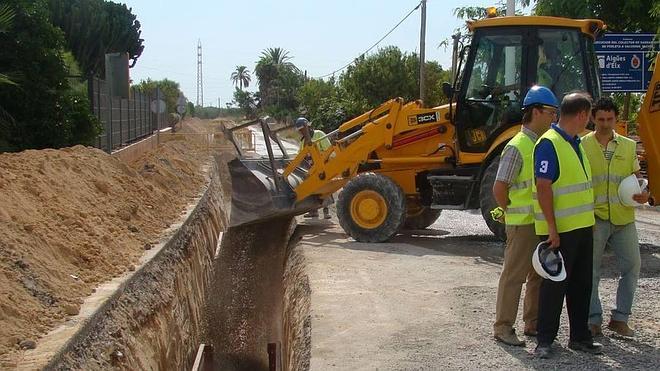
{"type": "Point", "coordinates": [567, 227]}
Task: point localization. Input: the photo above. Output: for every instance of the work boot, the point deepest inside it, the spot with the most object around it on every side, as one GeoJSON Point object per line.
{"type": "Point", "coordinates": [543, 351]}
{"type": "Point", "coordinates": [596, 330]}
{"type": "Point", "coordinates": [312, 214]}
{"type": "Point", "coordinates": [587, 346]}
{"type": "Point", "coordinates": [326, 213]}
{"type": "Point", "coordinates": [510, 338]}
{"type": "Point", "coordinates": [621, 328]}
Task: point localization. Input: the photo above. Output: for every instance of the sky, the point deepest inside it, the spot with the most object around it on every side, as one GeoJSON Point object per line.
{"type": "Point", "coordinates": [321, 36]}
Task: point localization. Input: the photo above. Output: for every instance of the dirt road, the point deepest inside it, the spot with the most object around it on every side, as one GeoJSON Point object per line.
{"type": "Point", "coordinates": [428, 302]}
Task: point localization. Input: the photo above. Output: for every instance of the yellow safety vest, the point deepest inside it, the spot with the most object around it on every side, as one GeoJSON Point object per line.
{"type": "Point", "coordinates": [573, 196]}
{"type": "Point", "coordinates": [520, 210]}
{"type": "Point", "coordinates": [606, 179]}
{"type": "Point", "coordinates": [318, 134]}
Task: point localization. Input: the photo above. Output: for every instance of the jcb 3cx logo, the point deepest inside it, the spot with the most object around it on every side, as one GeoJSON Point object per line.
{"type": "Point", "coordinates": [424, 118]}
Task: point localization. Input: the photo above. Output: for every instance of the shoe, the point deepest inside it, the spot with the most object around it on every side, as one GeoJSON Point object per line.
{"type": "Point", "coordinates": [510, 339]}
{"type": "Point", "coordinates": [530, 330]}
{"type": "Point", "coordinates": [543, 351]}
{"type": "Point", "coordinates": [587, 346]}
{"type": "Point", "coordinates": [596, 330]}
{"type": "Point", "coordinates": [621, 328]}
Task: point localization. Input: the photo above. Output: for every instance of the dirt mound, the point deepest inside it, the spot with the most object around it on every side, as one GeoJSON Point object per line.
{"type": "Point", "coordinates": [73, 218]}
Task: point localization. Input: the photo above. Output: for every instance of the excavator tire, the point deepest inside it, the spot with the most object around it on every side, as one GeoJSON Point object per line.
{"type": "Point", "coordinates": [487, 200]}
{"type": "Point", "coordinates": [422, 219]}
{"type": "Point", "coordinates": [371, 208]}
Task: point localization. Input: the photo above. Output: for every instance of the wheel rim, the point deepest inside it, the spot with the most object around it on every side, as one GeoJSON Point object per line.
{"type": "Point", "coordinates": [368, 209]}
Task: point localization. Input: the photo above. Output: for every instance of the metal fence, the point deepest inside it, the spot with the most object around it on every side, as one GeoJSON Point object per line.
{"type": "Point", "coordinates": [123, 120]}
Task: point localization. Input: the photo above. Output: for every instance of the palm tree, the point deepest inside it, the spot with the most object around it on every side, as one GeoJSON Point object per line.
{"type": "Point", "coordinates": [241, 77]}
{"type": "Point", "coordinates": [272, 63]}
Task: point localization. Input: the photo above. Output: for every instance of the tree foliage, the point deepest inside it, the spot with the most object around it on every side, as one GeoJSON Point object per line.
{"type": "Point", "coordinates": [246, 101]}
{"type": "Point", "coordinates": [46, 113]}
{"type": "Point", "coordinates": [169, 91]}
{"type": "Point", "coordinates": [93, 28]}
{"type": "Point", "coordinates": [620, 16]}
{"type": "Point", "coordinates": [278, 80]}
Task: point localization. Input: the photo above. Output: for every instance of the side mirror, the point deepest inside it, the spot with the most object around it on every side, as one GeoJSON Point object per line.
{"type": "Point", "coordinates": [447, 90]}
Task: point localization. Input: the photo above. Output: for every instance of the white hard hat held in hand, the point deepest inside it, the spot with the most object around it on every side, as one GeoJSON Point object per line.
{"type": "Point", "coordinates": [630, 186]}
{"type": "Point", "coordinates": [548, 263]}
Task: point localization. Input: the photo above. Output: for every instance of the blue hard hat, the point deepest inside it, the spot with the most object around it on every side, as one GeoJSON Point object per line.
{"type": "Point", "coordinates": [538, 94]}
{"type": "Point", "coordinates": [301, 122]}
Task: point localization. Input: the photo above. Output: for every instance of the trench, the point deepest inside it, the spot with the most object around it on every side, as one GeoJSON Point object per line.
{"type": "Point", "coordinates": [239, 291]}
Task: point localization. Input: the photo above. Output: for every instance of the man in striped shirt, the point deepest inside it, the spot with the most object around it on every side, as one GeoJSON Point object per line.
{"type": "Point", "coordinates": [513, 193]}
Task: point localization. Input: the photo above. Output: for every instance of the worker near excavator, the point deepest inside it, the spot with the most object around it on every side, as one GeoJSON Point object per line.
{"type": "Point", "coordinates": [513, 193]}
{"type": "Point", "coordinates": [319, 138]}
{"type": "Point", "coordinates": [564, 219]}
{"type": "Point", "coordinates": [613, 157]}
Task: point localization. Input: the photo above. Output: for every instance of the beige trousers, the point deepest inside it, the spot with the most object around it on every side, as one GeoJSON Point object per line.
{"type": "Point", "coordinates": [520, 245]}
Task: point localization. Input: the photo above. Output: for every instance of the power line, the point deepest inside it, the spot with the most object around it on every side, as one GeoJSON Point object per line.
{"type": "Point", "coordinates": [374, 45]}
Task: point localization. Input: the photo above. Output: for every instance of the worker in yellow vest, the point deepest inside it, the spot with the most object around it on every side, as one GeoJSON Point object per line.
{"type": "Point", "coordinates": [564, 217]}
{"type": "Point", "coordinates": [613, 157]}
{"type": "Point", "coordinates": [320, 139]}
{"type": "Point", "coordinates": [513, 193]}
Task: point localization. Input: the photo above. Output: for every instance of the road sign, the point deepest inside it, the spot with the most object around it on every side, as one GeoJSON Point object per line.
{"type": "Point", "coordinates": [181, 101]}
{"type": "Point", "coordinates": [626, 61]}
{"type": "Point", "coordinates": [156, 108]}
{"type": "Point", "coordinates": [181, 109]}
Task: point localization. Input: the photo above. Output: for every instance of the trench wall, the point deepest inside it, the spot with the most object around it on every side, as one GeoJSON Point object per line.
{"type": "Point", "coordinates": [155, 320]}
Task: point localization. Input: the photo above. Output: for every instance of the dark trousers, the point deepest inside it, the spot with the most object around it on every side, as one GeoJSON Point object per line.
{"type": "Point", "coordinates": [577, 249]}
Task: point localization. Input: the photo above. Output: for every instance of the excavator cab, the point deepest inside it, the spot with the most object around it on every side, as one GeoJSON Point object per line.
{"type": "Point", "coordinates": [504, 62]}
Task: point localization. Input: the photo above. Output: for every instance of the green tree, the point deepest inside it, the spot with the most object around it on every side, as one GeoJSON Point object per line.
{"type": "Point", "coordinates": [391, 73]}
{"type": "Point", "coordinates": [93, 28]}
{"type": "Point", "coordinates": [246, 102]}
{"type": "Point", "coordinates": [276, 76]}
{"type": "Point", "coordinates": [45, 112]}
{"type": "Point", "coordinates": [241, 77]}
{"type": "Point", "coordinates": [620, 16]}
{"type": "Point", "coordinates": [169, 90]}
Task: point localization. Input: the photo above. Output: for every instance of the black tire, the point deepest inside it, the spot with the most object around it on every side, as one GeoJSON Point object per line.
{"type": "Point", "coordinates": [423, 219]}
{"type": "Point", "coordinates": [487, 200]}
{"type": "Point", "coordinates": [394, 215]}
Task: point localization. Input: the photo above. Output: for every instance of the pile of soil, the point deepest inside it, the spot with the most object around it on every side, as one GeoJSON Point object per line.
{"type": "Point", "coordinates": [73, 218]}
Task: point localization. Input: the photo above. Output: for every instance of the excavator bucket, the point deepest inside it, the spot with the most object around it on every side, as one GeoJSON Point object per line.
{"type": "Point", "coordinates": [259, 191]}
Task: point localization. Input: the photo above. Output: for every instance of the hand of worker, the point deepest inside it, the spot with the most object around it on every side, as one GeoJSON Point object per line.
{"type": "Point", "coordinates": [553, 240]}
{"type": "Point", "coordinates": [642, 198]}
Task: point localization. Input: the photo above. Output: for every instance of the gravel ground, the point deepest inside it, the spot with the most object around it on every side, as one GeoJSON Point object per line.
{"type": "Point", "coordinates": [428, 302]}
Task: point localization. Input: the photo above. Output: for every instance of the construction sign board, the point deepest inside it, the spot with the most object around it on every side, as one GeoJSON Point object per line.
{"type": "Point", "coordinates": [626, 61]}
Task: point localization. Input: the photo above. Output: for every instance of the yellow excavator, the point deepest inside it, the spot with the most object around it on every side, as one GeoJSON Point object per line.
{"type": "Point", "coordinates": [399, 165]}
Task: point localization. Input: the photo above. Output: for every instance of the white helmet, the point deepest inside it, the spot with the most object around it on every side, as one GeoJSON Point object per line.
{"type": "Point", "coordinates": [548, 263]}
{"type": "Point", "coordinates": [630, 186]}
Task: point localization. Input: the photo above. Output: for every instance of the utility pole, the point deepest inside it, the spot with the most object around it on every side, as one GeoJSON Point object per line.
{"type": "Point", "coordinates": [218, 102]}
{"type": "Point", "coordinates": [422, 48]}
{"type": "Point", "coordinates": [509, 51]}
{"type": "Point", "coordinates": [200, 80]}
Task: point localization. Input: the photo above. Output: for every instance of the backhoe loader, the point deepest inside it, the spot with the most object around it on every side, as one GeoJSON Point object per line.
{"type": "Point", "coordinates": [400, 164]}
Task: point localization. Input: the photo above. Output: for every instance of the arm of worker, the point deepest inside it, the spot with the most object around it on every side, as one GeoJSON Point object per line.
{"type": "Point", "coordinates": [508, 169]}
{"type": "Point", "coordinates": [546, 170]}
